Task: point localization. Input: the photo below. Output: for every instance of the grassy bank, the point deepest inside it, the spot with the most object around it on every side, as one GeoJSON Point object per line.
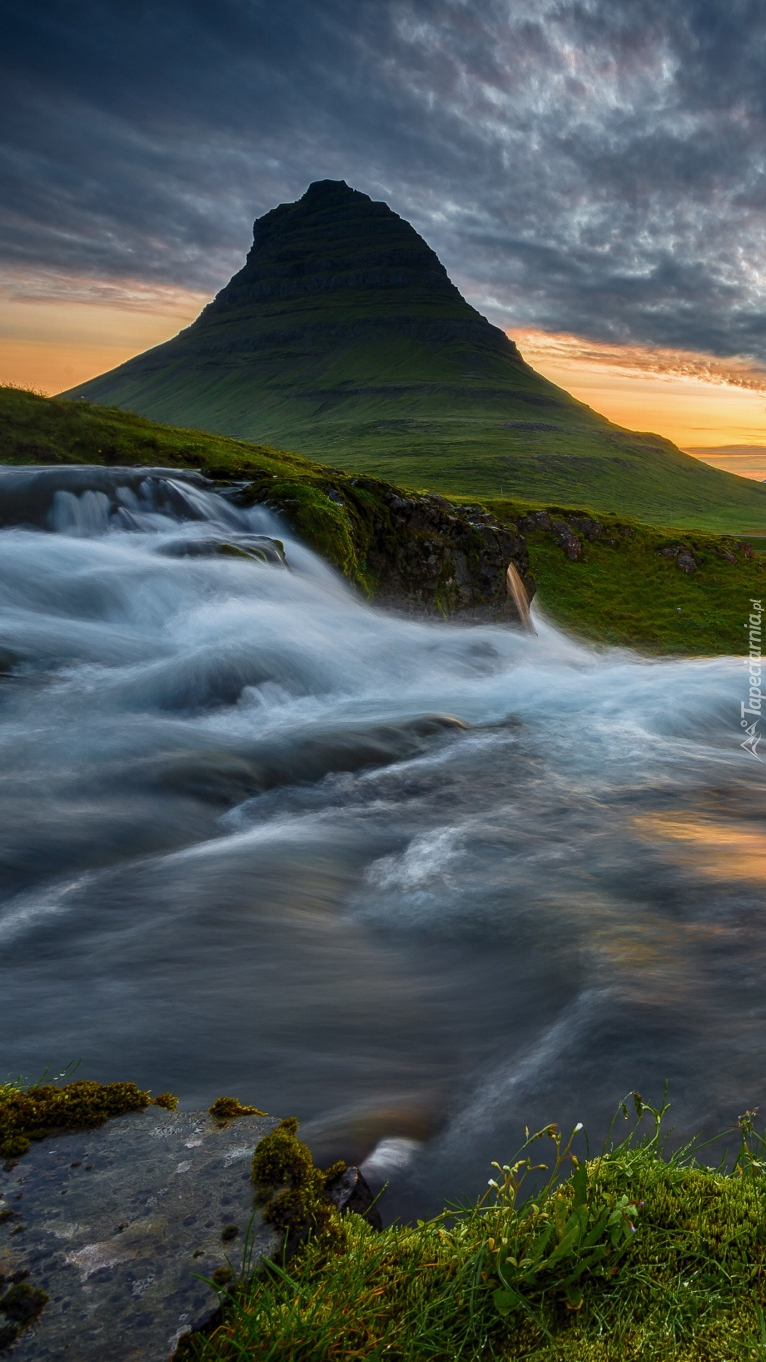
{"type": "Point", "coordinates": [635, 1254]}
{"type": "Point", "coordinates": [625, 588]}
{"type": "Point", "coordinates": [654, 589]}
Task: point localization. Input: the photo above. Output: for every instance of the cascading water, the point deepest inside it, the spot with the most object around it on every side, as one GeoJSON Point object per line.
{"type": "Point", "coordinates": [246, 848]}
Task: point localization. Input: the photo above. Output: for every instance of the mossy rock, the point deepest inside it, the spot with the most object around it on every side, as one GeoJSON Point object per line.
{"type": "Point", "coordinates": [291, 1190]}
{"type": "Point", "coordinates": [31, 1115]}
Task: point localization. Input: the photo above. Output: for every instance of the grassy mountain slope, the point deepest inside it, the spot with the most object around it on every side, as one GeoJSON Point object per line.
{"type": "Point", "coordinates": [622, 590]}
{"type": "Point", "coordinates": [343, 338]}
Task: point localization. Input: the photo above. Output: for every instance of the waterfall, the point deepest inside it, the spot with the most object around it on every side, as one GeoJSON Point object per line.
{"type": "Point", "coordinates": [418, 883]}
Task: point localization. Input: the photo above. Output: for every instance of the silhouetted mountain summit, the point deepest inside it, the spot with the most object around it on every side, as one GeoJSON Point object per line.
{"type": "Point", "coordinates": [335, 237]}
{"type": "Point", "coordinates": [339, 250]}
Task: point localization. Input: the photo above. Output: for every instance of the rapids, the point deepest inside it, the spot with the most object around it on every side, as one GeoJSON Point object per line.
{"type": "Point", "coordinates": [246, 848]}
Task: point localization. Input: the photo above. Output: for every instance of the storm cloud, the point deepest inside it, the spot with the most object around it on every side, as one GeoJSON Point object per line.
{"type": "Point", "coordinates": [596, 167]}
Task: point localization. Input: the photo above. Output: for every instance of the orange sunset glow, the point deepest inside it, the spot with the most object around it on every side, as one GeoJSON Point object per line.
{"type": "Point", "coordinates": [56, 332]}
{"type": "Point", "coordinates": [708, 406]}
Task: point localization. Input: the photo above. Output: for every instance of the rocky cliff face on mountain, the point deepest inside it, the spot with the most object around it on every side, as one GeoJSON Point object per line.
{"type": "Point", "coordinates": [336, 238]}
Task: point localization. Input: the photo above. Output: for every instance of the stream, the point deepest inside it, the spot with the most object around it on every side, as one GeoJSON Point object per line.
{"type": "Point", "coordinates": [420, 884]}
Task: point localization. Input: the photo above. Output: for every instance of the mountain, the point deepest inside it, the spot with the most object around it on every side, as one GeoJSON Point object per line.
{"type": "Point", "coordinates": [343, 338]}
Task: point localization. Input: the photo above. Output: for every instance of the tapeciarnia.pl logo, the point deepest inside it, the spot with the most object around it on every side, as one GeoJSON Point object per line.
{"type": "Point", "coordinates": [753, 662]}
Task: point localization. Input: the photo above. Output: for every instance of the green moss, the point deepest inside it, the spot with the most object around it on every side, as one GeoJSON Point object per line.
{"type": "Point", "coordinates": [166, 1100]}
{"type": "Point", "coordinates": [229, 1108]}
{"type": "Point", "coordinates": [20, 1306]}
{"type": "Point", "coordinates": [31, 1114]}
{"type": "Point", "coordinates": [222, 1276]}
{"type": "Point", "coordinates": [290, 1189]}
{"type": "Point", "coordinates": [320, 522]}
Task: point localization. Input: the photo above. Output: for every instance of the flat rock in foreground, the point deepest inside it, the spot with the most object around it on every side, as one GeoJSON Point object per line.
{"type": "Point", "coordinates": [119, 1224]}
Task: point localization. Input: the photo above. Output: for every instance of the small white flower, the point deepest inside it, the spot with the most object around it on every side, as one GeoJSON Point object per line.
{"type": "Point", "coordinates": [578, 1127]}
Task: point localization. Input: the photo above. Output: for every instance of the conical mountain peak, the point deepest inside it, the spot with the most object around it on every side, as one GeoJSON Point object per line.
{"type": "Point", "coordinates": [336, 238]}
{"type": "Point", "coordinates": [343, 338]}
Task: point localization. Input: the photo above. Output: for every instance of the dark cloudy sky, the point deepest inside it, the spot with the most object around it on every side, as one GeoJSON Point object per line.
{"type": "Point", "coordinates": [597, 168]}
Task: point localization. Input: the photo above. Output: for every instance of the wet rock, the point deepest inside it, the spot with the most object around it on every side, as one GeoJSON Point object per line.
{"type": "Point", "coordinates": [257, 546]}
{"type": "Point", "coordinates": [727, 554]}
{"type": "Point", "coordinates": [350, 1192]}
{"type": "Point", "coordinates": [122, 1228]}
{"type": "Point", "coordinates": [431, 557]}
{"type": "Point", "coordinates": [28, 495]}
{"type": "Point", "coordinates": [218, 776]}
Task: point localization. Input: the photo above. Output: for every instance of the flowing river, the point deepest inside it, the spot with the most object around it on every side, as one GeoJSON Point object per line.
{"type": "Point", "coordinates": [246, 848]}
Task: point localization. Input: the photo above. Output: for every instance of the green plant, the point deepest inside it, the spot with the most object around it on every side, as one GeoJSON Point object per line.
{"type": "Point", "coordinates": [290, 1188]}
{"type": "Point", "coordinates": [566, 1233]}
{"type": "Point", "coordinates": [687, 1286]}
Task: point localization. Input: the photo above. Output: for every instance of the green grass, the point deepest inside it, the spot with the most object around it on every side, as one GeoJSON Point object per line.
{"type": "Point", "coordinates": [636, 1254]}
{"type": "Point", "coordinates": [40, 430]}
{"type": "Point", "coordinates": [622, 592]}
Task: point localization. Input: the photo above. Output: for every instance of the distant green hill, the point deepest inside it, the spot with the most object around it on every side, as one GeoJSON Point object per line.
{"type": "Point", "coordinates": [343, 338]}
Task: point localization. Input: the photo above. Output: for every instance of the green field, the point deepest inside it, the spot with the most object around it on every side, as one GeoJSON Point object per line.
{"type": "Point", "coordinates": [624, 589]}
{"type": "Point", "coordinates": [342, 338]}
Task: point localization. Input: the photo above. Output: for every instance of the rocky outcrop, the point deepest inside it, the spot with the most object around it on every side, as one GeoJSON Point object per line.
{"type": "Point", "coordinates": [433, 557]}
{"type": "Point", "coordinates": [684, 558]}
{"type": "Point", "coordinates": [333, 238]}
{"type": "Point", "coordinates": [350, 1191]}
{"type": "Point", "coordinates": [414, 552]}
{"type": "Point", "coordinates": [119, 1242]}
{"type": "Point", "coordinates": [420, 553]}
